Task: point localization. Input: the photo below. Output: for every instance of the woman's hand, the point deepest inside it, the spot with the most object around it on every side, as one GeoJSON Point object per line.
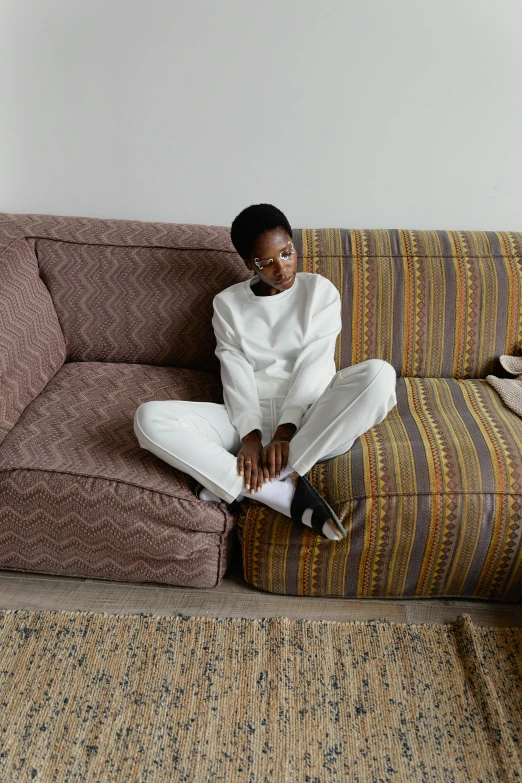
{"type": "Point", "coordinates": [275, 453]}
{"type": "Point", "coordinates": [249, 461]}
{"type": "Point", "coordinates": [260, 464]}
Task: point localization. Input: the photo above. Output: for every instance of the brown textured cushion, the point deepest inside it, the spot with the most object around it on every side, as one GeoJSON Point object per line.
{"type": "Point", "coordinates": [147, 305]}
{"type": "Point", "coordinates": [32, 347]}
{"type": "Point", "coordinates": [80, 497]}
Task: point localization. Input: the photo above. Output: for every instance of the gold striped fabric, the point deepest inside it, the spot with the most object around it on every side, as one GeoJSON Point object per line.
{"type": "Point", "coordinates": [431, 497]}
{"type": "Point", "coordinates": [432, 303]}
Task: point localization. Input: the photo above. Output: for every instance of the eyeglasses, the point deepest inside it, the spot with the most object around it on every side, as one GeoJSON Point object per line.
{"type": "Point", "coordinates": [284, 255]}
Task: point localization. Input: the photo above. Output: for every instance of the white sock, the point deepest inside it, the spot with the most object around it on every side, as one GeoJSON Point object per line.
{"type": "Point", "coordinates": [278, 495]}
{"type": "Point", "coordinates": [206, 494]}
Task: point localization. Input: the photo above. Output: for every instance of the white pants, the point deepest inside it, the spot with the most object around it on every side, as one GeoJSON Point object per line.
{"type": "Point", "coordinates": [198, 438]}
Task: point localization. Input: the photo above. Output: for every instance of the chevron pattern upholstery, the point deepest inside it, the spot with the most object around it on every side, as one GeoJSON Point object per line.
{"type": "Point", "coordinates": [79, 496]}
{"type": "Point", "coordinates": [98, 316]}
{"type": "Point", "coordinates": [32, 347]}
{"type": "Point", "coordinates": [130, 304]}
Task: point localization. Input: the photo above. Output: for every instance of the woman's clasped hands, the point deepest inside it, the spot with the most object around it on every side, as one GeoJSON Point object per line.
{"type": "Point", "coordinates": [259, 464]}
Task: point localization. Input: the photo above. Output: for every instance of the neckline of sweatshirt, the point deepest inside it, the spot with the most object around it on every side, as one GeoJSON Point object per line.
{"type": "Point", "coordinates": [251, 296]}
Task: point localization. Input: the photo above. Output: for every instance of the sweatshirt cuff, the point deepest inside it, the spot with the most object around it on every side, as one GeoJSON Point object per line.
{"type": "Point", "coordinates": [292, 415]}
{"type": "Point", "coordinates": [249, 422]}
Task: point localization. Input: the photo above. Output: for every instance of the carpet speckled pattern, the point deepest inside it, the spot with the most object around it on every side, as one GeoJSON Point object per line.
{"type": "Point", "coordinates": [88, 696]}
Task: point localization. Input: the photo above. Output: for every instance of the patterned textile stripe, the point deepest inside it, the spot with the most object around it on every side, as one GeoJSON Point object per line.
{"type": "Point", "coordinates": [431, 500]}
{"type": "Point", "coordinates": [432, 303]}
{"type": "Point", "coordinates": [327, 265]}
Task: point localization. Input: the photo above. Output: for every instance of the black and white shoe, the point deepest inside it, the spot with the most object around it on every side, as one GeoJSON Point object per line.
{"type": "Point", "coordinates": [306, 496]}
{"type": "Point", "coordinates": [234, 507]}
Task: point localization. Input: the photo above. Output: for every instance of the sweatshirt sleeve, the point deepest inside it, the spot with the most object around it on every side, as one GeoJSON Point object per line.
{"type": "Point", "coordinates": [237, 376]}
{"type": "Point", "coordinates": [315, 365]}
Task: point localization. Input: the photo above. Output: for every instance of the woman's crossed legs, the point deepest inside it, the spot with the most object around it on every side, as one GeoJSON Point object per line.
{"type": "Point", "coordinates": [198, 438]}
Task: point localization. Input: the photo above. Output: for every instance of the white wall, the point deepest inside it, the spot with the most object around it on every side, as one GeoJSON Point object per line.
{"type": "Point", "coordinates": [367, 114]}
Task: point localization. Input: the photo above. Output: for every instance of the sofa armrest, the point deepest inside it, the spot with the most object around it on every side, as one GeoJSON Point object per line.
{"type": "Point", "coordinates": [32, 346]}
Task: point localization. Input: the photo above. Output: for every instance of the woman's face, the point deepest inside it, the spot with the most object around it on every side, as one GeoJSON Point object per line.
{"type": "Point", "coordinates": [279, 274]}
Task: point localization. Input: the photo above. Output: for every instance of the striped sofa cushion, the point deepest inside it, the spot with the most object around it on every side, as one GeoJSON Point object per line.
{"type": "Point", "coordinates": [431, 500]}
{"type": "Point", "coordinates": [431, 497]}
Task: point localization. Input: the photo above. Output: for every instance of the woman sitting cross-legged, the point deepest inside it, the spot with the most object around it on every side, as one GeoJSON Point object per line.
{"type": "Point", "coordinates": [285, 406]}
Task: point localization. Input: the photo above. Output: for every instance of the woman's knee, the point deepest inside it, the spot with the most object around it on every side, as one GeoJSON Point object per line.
{"type": "Point", "coordinates": [382, 377]}
{"type": "Point", "coordinates": [157, 419]}
{"type": "Point", "coordinates": [146, 416]}
{"type": "Point", "coordinates": [141, 419]}
{"type": "Point", "coordinates": [373, 368]}
{"type": "Point", "coordinates": [387, 380]}
{"type": "Point", "coordinates": [381, 368]}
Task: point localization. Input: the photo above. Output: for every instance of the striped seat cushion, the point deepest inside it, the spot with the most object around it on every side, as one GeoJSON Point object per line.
{"type": "Point", "coordinates": [431, 500]}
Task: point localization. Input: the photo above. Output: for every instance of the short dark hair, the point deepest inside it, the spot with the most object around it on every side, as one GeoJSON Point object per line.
{"type": "Point", "coordinates": [252, 222]}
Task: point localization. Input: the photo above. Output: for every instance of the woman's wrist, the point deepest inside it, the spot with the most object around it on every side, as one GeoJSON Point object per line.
{"type": "Point", "coordinates": [254, 435]}
{"type": "Point", "coordinates": [285, 431]}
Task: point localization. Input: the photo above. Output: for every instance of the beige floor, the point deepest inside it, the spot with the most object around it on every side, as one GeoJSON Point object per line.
{"type": "Point", "coordinates": [233, 598]}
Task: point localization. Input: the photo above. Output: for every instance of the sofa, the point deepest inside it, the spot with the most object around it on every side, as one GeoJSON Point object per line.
{"type": "Point", "coordinates": [98, 316]}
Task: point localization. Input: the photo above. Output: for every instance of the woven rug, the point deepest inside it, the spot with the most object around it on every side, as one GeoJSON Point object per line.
{"type": "Point", "coordinates": [99, 697]}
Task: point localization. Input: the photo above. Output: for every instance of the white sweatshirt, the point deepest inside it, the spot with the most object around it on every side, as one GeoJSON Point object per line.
{"type": "Point", "coordinates": [276, 346]}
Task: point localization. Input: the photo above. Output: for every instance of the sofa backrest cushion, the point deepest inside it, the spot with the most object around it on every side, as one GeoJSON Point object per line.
{"type": "Point", "coordinates": [145, 305]}
{"type": "Point", "coordinates": [133, 291]}
{"type": "Point", "coordinates": [32, 347]}
{"type": "Point", "coordinates": [431, 303]}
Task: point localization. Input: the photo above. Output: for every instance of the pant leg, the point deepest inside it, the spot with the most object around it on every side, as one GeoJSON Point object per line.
{"type": "Point", "coordinates": [356, 399]}
{"type": "Point", "coordinates": [198, 438]}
